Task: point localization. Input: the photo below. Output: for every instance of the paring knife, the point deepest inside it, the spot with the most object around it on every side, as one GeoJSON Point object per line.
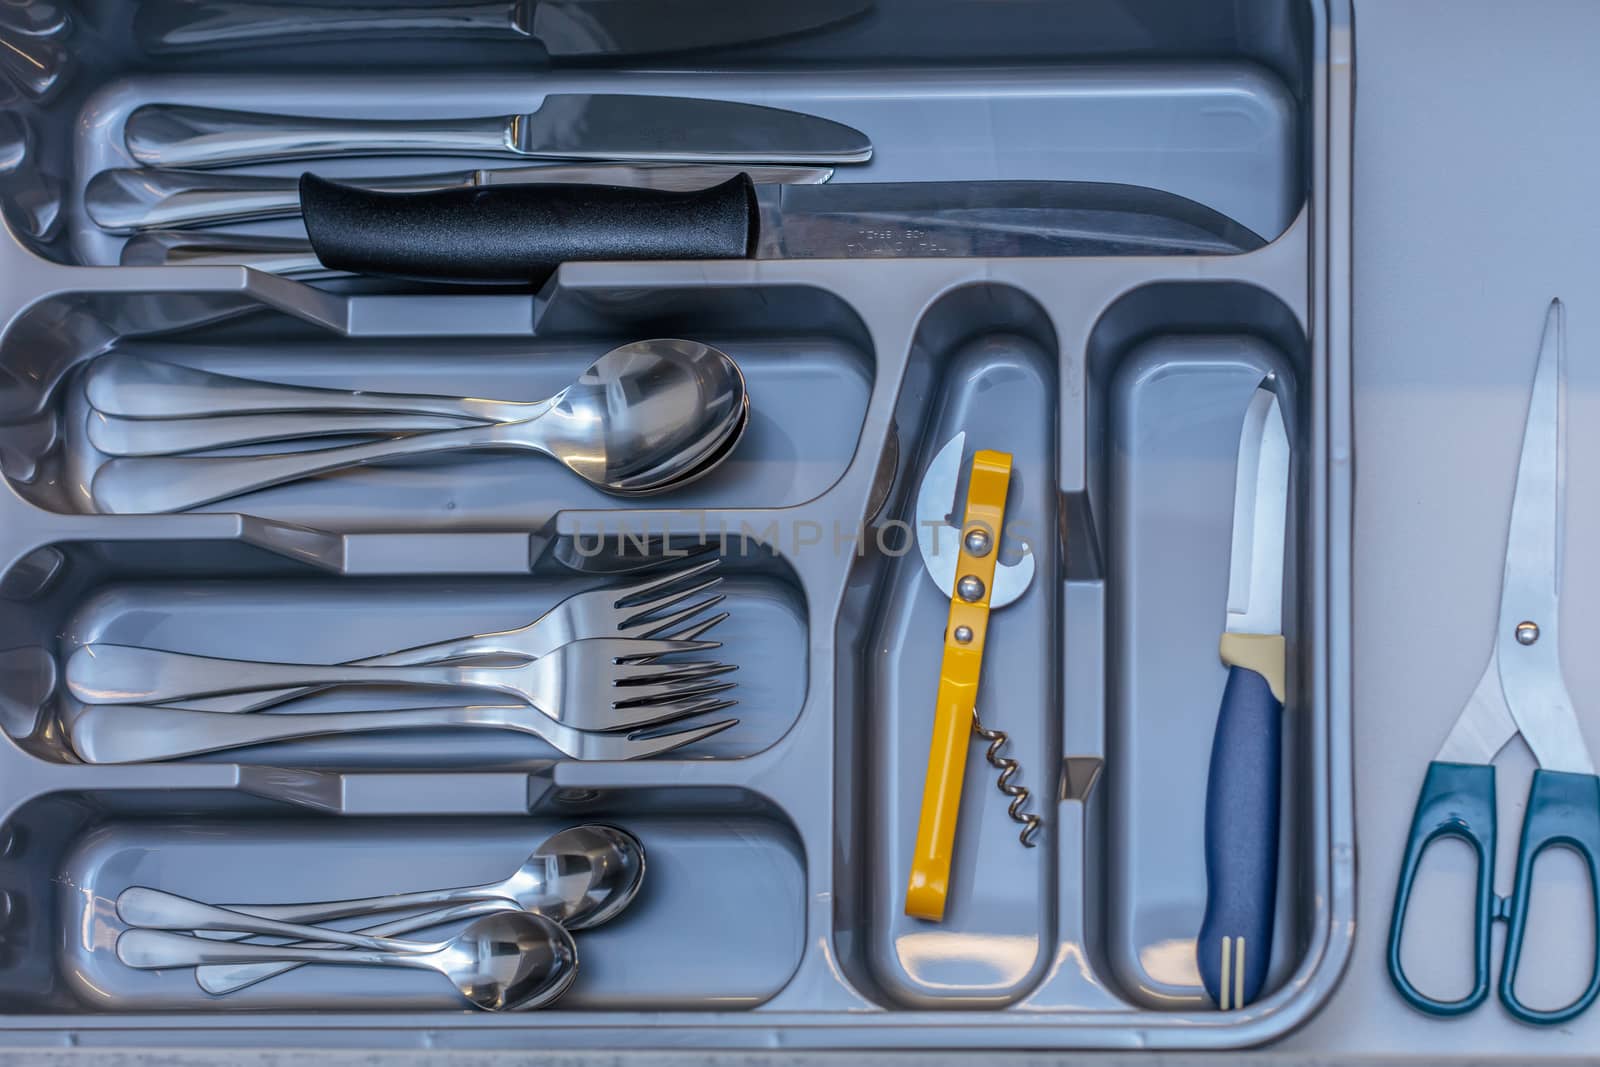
{"type": "Point", "coordinates": [566, 28]}
{"type": "Point", "coordinates": [1241, 843]}
{"type": "Point", "coordinates": [597, 126]}
{"type": "Point", "coordinates": [520, 233]}
{"type": "Point", "coordinates": [132, 200]}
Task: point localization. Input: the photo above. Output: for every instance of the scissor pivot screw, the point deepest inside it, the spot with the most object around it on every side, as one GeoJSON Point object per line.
{"type": "Point", "coordinates": [977, 541]}
{"type": "Point", "coordinates": [970, 588]}
{"type": "Point", "coordinates": [963, 635]}
{"type": "Point", "coordinates": [1527, 633]}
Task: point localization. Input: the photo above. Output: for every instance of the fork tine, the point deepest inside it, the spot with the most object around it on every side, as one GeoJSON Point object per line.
{"type": "Point", "coordinates": [693, 633]}
{"type": "Point", "coordinates": [658, 626]}
{"type": "Point", "coordinates": [640, 611]}
{"type": "Point", "coordinates": [645, 700]}
{"type": "Point", "coordinates": [630, 676]}
{"type": "Point", "coordinates": [647, 716]}
{"type": "Point", "coordinates": [625, 650]}
{"type": "Point", "coordinates": [663, 578]}
{"type": "Point", "coordinates": [639, 747]}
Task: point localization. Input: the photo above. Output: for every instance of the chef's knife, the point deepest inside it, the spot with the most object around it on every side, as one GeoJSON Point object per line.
{"type": "Point", "coordinates": [566, 28]}
{"type": "Point", "coordinates": [1241, 841]}
{"type": "Point", "coordinates": [132, 200]}
{"type": "Point", "coordinates": [519, 233]}
{"type": "Point", "coordinates": [594, 126]}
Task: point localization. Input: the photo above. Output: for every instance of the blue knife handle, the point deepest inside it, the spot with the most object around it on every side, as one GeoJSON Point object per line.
{"type": "Point", "coordinates": [1235, 942]}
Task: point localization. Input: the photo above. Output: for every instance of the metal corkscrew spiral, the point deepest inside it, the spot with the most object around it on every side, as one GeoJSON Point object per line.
{"type": "Point", "coordinates": [1008, 768]}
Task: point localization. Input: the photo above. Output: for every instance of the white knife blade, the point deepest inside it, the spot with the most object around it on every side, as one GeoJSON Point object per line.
{"type": "Point", "coordinates": [1260, 511]}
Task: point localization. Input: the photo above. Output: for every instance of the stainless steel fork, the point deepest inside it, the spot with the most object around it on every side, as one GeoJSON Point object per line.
{"type": "Point", "coordinates": [120, 734]}
{"type": "Point", "coordinates": [587, 685]}
{"type": "Point", "coordinates": [627, 611]}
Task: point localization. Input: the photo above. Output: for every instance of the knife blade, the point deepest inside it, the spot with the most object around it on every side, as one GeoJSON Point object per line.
{"type": "Point", "coordinates": [522, 233]}
{"type": "Point", "coordinates": [566, 28]}
{"type": "Point", "coordinates": [1242, 794]}
{"type": "Point", "coordinates": [593, 126]}
{"type": "Point", "coordinates": [126, 200]}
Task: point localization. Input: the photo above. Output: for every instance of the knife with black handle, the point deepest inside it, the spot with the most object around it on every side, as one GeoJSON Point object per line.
{"type": "Point", "coordinates": [520, 233]}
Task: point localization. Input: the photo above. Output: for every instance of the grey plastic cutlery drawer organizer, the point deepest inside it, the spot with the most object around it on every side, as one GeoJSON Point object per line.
{"type": "Point", "coordinates": [772, 912]}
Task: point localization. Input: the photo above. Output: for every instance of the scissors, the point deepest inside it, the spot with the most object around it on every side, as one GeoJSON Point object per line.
{"type": "Point", "coordinates": [1521, 692]}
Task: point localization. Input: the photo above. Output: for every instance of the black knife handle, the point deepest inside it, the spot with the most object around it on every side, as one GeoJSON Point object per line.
{"type": "Point", "coordinates": [520, 233]}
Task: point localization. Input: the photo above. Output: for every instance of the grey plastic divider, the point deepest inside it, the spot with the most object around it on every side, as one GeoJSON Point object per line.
{"type": "Point", "coordinates": [799, 818]}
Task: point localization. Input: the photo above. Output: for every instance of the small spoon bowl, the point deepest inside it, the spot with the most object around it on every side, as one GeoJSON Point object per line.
{"type": "Point", "coordinates": [588, 873]}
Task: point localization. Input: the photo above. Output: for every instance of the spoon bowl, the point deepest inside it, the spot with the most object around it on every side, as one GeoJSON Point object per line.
{"type": "Point", "coordinates": [646, 416]}
{"type": "Point", "coordinates": [589, 874]}
{"type": "Point", "coordinates": [509, 961]}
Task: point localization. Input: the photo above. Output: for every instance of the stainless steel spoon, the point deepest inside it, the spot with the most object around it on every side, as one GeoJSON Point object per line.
{"type": "Point", "coordinates": [644, 418]}
{"type": "Point", "coordinates": [581, 877]}
{"type": "Point", "coordinates": [508, 961]}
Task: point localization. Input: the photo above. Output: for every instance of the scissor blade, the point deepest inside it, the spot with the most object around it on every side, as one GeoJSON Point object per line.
{"type": "Point", "coordinates": [1260, 509]}
{"type": "Point", "coordinates": [1527, 643]}
{"type": "Point", "coordinates": [1484, 726]}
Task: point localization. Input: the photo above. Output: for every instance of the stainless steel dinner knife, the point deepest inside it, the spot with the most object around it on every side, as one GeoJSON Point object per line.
{"type": "Point", "coordinates": [592, 126]}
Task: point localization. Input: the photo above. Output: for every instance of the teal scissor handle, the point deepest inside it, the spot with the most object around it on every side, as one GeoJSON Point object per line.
{"type": "Point", "coordinates": [1564, 811]}
{"type": "Point", "coordinates": [1457, 800]}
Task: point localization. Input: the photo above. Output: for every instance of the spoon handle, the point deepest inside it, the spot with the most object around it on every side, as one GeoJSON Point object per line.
{"type": "Point", "coordinates": [150, 485]}
{"type": "Point", "coordinates": [222, 979]}
{"type": "Point", "coordinates": [159, 950]}
{"type": "Point", "coordinates": [137, 388]}
{"type": "Point", "coordinates": [153, 909]}
{"type": "Point", "coordinates": [326, 910]}
{"type": "Point", "coordinates": [117, 436]}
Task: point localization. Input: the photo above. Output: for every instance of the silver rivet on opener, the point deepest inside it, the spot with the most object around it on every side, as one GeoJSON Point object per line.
{"type": "Point", "coordinates": [970, 588]}
{"type": "Point", "coordinates": [1527, 633]}
{"type": "Point", "coordinates": [977, 541]}
{"type": "Point", "coordinates": [963, 635]}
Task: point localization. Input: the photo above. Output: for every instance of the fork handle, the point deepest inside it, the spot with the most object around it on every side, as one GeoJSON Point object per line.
{"type": "Point", "coordinates": [419, 656]}
{"type": "Point", "coordinates": [130, 734]}
{"type": "Point", "coordinates": [125, 674]}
